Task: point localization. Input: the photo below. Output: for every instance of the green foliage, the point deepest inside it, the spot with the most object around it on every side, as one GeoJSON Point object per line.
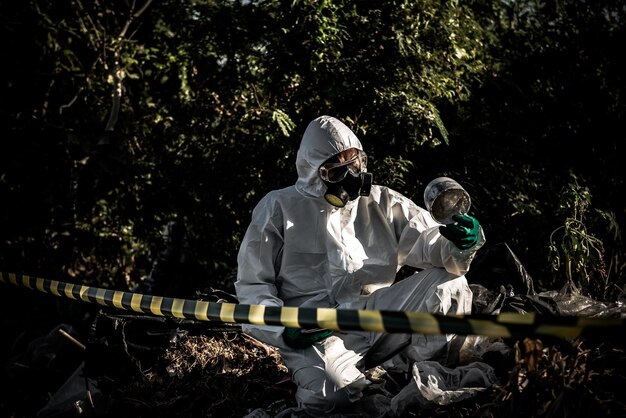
{"type": "Point", "coordinates": [549, 107]}
{"type": "Point", "coordinates": [573, 249]}
{"type": "Point", "coordinates": [147, 112]}
{"type": "Point", "coordinates": [391, 172]}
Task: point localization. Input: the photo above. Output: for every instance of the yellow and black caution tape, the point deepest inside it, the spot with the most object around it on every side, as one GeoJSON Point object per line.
{"type": "Point", "coordinates": [504, 325]}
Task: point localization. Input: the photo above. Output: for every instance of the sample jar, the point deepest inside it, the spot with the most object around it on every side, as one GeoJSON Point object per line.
{"type": "Point", "coordinates": [444, 198]}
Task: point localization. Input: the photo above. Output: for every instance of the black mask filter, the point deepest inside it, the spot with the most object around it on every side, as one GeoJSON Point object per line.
{"type": "Point", "coordinates": [351, 187]}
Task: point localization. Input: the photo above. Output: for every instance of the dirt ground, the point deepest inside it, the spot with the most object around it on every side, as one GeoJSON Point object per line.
{"type": "Point", "coordinates": [228, 374]}
{"type": "Point", "coordinates": [149, 369]}
{"type": "Point", "coordinates": [142, 366]}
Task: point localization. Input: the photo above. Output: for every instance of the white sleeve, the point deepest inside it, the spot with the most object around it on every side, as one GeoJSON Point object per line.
{"type": "Point", "coordinates": [422, 246]}
{"type": "Point", "coordinates": [257, 260]}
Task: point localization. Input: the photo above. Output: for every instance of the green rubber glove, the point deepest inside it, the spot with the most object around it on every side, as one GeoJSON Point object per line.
{"type": "Point", "coordinates": [463, 233]}
{"type": "Point", "coordinates": [296, 338]}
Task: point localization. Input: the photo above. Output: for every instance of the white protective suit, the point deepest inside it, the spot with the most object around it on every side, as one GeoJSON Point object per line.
{"type": "Point", "coordinates": [301, 251]}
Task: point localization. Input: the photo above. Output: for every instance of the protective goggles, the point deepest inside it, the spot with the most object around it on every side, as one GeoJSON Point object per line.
{"type": "Point", "coordinates": [336, 172]}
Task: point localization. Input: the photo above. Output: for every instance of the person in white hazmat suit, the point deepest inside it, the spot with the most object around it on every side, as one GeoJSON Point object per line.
{"type": "Point", "coordinates": [334, 240]}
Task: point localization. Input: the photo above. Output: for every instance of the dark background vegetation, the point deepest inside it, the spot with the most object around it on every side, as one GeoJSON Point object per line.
{"type": "Point", "coordinates": [118, 117]}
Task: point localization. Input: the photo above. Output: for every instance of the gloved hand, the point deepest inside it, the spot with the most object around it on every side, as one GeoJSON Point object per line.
{"type": "Point", "coordinates": [296, 338]}
{"type": "Point", "coordinates": [463, 233]}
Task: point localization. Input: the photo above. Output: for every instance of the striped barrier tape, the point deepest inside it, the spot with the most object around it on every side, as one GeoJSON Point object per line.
{"type": "Point", "coordinates": [505, 325]}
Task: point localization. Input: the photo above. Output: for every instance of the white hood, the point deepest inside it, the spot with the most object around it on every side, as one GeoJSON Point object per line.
{"type": "Point", "coordinates": [324, 137]}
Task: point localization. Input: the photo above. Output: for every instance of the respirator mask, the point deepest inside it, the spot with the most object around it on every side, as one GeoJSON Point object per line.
{"type": "Point", "coordinates": [346, 180]}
